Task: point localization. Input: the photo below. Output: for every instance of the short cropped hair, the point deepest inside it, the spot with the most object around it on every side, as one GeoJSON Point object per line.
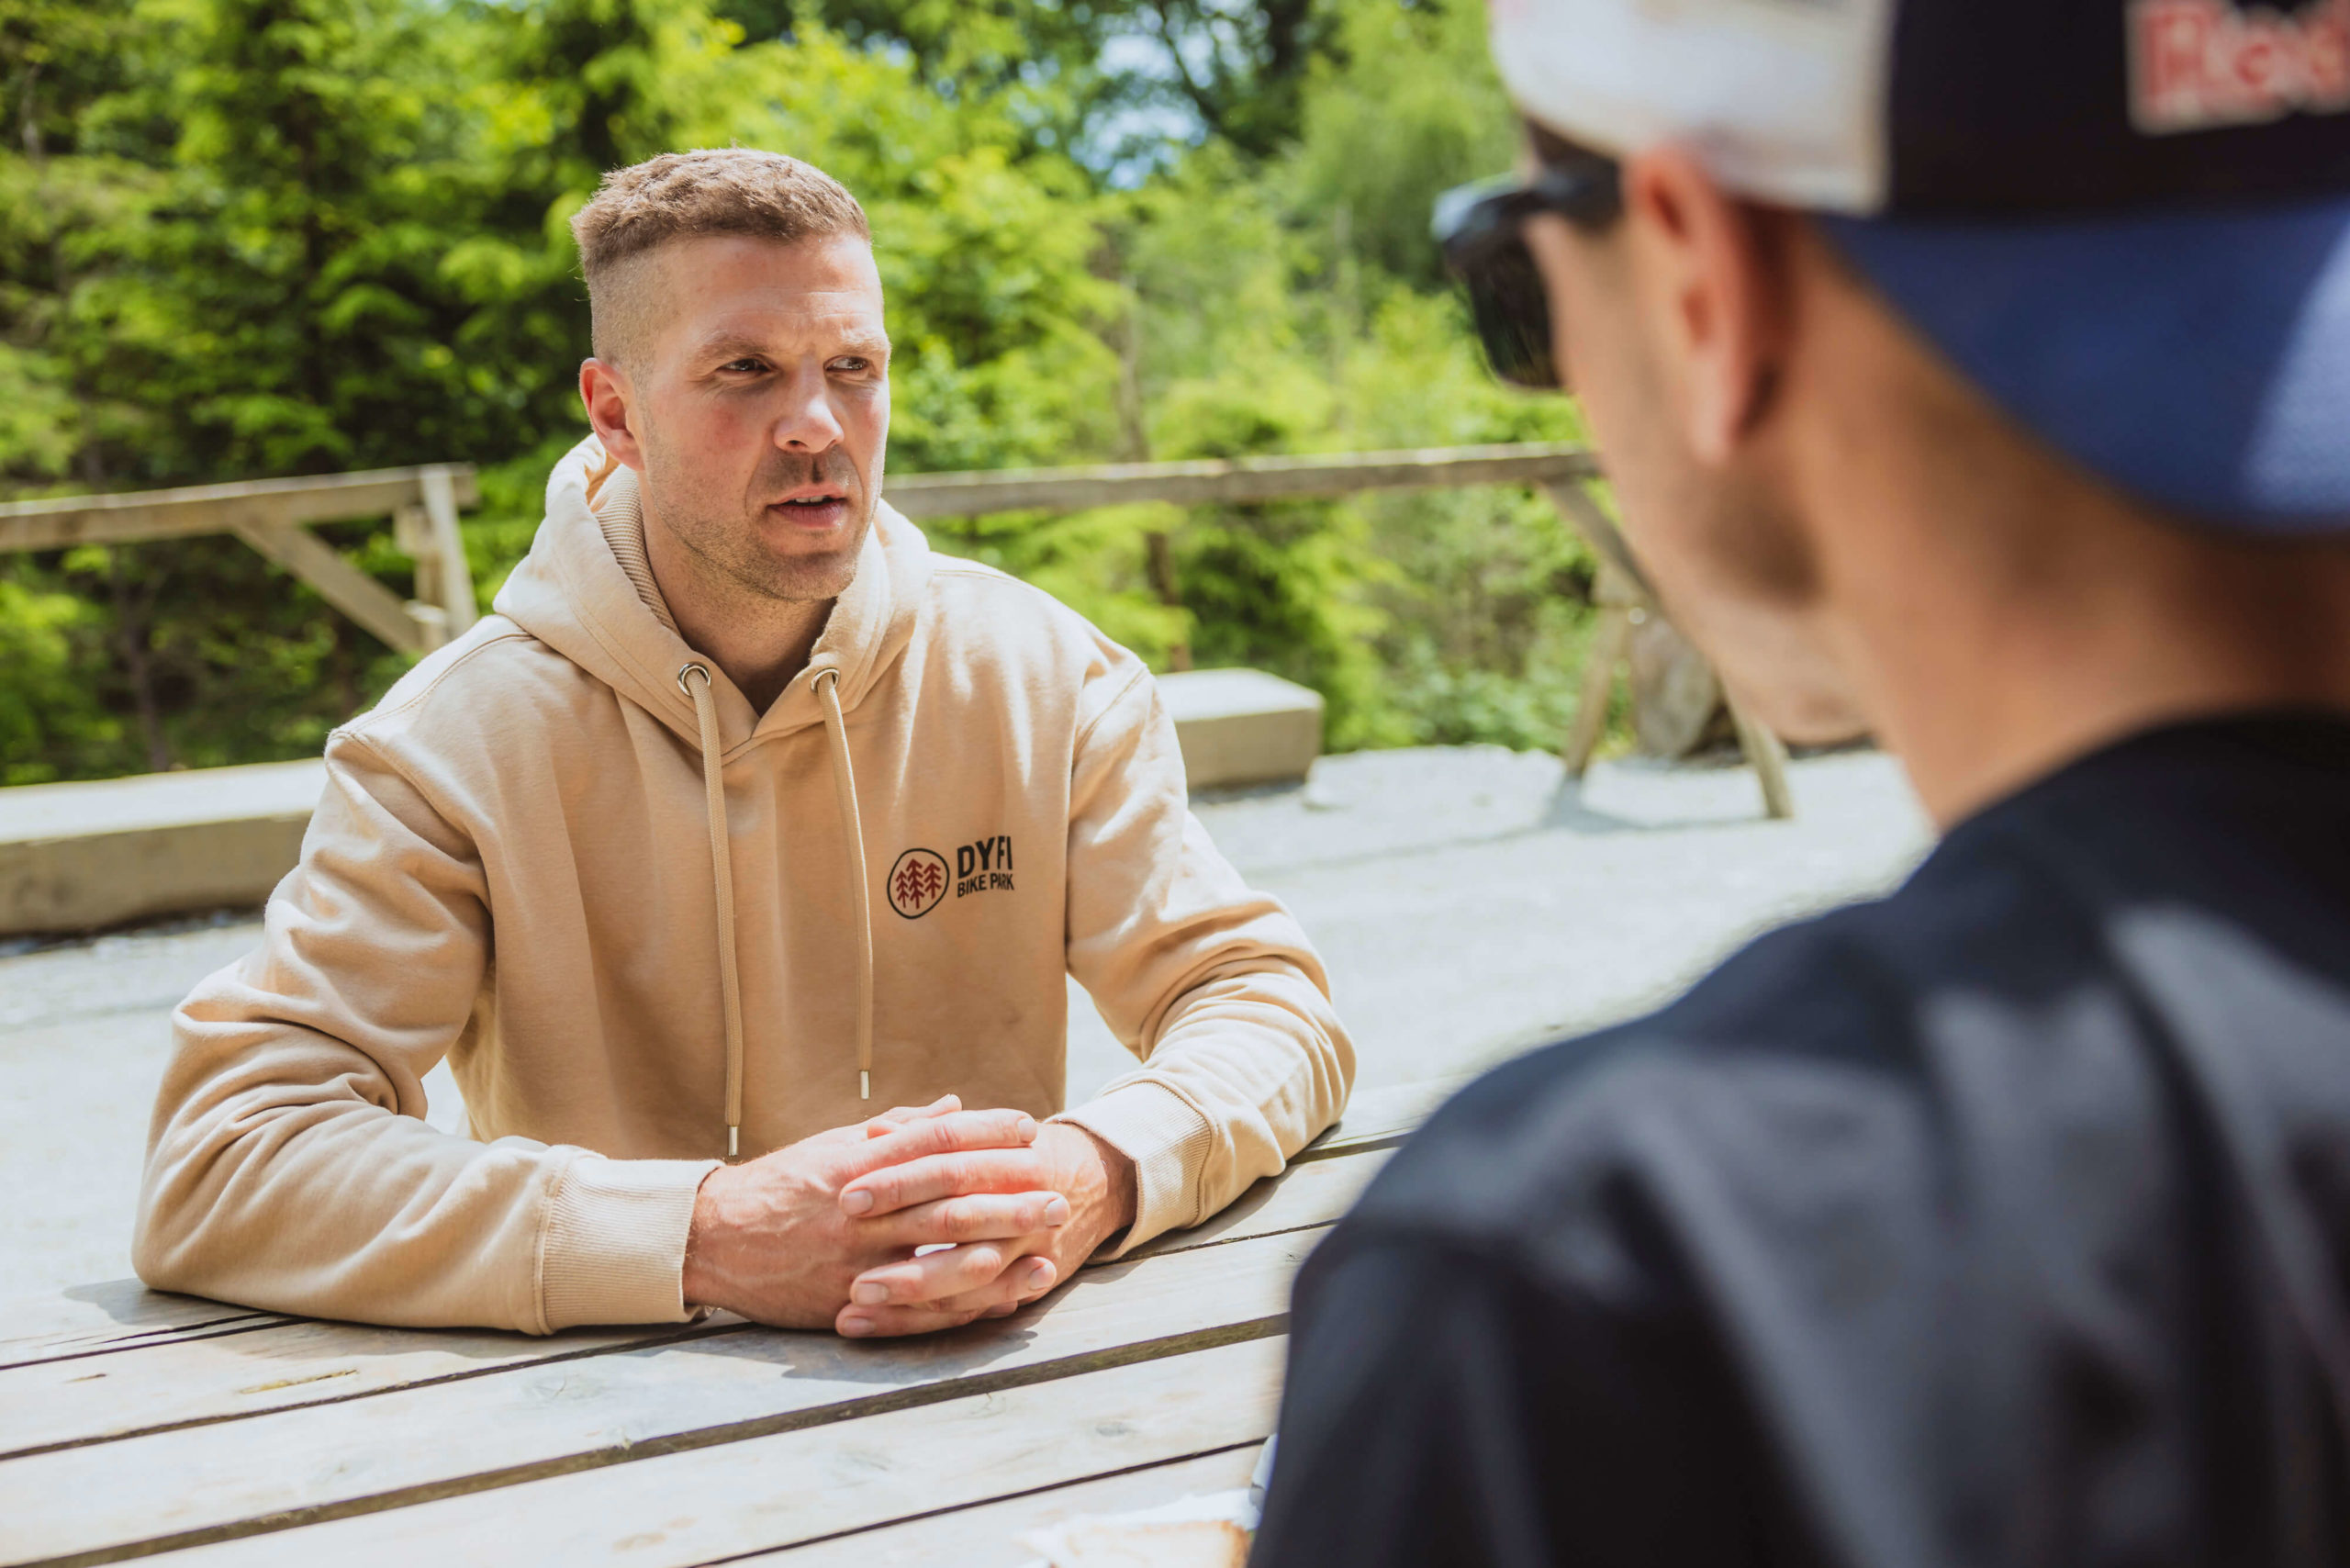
{"type": "Point", "coordinates": [726, 190]}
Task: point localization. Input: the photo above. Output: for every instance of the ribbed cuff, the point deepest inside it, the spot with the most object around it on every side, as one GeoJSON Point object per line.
{"type": "Point", "coordinates": [1168, 1141]}
{"type": "Point", "coordinates": [615, 1248]}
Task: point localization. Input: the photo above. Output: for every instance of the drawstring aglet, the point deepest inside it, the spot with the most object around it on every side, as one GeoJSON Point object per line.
{"type": "Point", "coordinates": [733, 1142]}
{"type": "Point", "coordinates": [864, 1084]}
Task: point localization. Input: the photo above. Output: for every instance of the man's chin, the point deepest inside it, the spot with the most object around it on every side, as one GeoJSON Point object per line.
{"type": "Point", "coordinates": [807, 579]}
{"type": "Point", "coordinates": [804, 576]}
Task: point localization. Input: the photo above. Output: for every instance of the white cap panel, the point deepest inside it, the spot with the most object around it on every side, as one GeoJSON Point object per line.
{"type": "Point", "coordinates": [1783, 100]}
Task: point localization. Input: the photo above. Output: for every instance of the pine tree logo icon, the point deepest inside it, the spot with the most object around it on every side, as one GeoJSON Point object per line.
{"type": "Point", "coordinates": [917, 882]}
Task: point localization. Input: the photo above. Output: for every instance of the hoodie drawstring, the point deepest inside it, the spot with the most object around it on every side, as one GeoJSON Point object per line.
{"type": "Point", "coordinates": [721, 872]}
{"type": "Point", "coordinates": [828, 693]}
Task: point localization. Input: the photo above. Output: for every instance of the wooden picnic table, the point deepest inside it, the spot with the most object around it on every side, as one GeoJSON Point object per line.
{"type": "Point", "coordinates": [134, 1423]}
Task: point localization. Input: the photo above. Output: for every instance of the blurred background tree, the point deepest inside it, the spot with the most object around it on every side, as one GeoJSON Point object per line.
{"type": "Point", "coordinates": [250, 238]}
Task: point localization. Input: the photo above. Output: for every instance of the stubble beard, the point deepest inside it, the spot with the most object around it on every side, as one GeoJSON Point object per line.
{"type": "Point", "coordinates": [725, 542]}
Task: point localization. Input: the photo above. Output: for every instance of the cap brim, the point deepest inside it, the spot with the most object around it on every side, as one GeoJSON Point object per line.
{"type": "Point", "coordinates": [2198, 360]}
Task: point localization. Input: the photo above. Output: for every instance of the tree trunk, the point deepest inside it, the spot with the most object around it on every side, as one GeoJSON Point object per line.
{"type": "Point", "coordinates": [131, 616]}
{"type": "Point", "coordinates": [1158, 549]}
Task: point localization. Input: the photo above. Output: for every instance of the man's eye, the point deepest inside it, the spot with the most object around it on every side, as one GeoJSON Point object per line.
{"type": "Point", "coordinates": [853, 366]}
{"type": "Point", "coordinates": [746, 366]}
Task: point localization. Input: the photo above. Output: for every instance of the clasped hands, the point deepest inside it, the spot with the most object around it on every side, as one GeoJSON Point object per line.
{"type": "Point", "coordinates": [824, 1232]}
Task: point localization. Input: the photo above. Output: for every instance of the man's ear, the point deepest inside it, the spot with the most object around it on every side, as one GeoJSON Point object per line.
{"type": "Point", "coordinates": [610, 402]}
{"type": "Point", "coordinates": [1709, 275]}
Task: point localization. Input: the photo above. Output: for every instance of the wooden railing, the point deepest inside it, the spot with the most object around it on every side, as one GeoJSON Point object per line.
{"type": "Point", "coordinates": [273, 515]}
{"type": "Point", "coordinates": [1238, 480]}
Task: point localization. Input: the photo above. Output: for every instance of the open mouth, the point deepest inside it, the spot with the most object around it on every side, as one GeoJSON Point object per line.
{"type": "Point", "coordinates": [813, 508]}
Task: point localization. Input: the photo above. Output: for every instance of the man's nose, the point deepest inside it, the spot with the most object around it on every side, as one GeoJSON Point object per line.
{"type": "Point", "coordinates": [807, 422]}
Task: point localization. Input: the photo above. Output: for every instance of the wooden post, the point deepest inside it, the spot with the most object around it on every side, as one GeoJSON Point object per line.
{"type": "Point", "coordinates": [272, 516]}
{"type": "Point", "coordinates": [1770, 759]}
{"type": "Point", "coordinates": [1621, 593]}
{"type": "Point", "coordinates": [339, 582]}
{"type": "Point", "coordinates": [1599, 662]}
{"type": "Point", "coordinates": [412, 536]}
{"type": "Point", "coordinates": [456, 579]}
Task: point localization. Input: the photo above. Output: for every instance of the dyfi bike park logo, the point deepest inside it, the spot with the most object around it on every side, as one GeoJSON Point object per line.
{"type": "Point", "coordinates": [917, 882]}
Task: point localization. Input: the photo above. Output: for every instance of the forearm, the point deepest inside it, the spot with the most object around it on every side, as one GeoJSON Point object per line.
{"type": "Point", "coordinates": [1249, 1067]}
{"type": "Point", "coordinates": [290, 1171]}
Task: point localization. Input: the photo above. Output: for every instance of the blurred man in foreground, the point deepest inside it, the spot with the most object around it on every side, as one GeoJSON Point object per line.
{"type": "Point", "coordinates": [1978, 370]}
{"type": "Point", "coordinates": [744, 817]}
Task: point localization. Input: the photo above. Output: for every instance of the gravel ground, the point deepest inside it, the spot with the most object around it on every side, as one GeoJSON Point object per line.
{"type": "Point", "coordinates": [1470, 904]}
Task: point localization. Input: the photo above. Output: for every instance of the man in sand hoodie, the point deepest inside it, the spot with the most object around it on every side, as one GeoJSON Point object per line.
{"type": "Point", "coordinates": [743, 817]}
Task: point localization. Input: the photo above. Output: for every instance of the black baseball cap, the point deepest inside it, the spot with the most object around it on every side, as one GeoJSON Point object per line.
{"type": "Point", "coordinates": [2127, 222]}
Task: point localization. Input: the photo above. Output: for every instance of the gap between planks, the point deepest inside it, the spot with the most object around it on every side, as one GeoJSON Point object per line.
{"type": "Point", "coordinates": [123, 1315]}
{"type": "Point", "coordinates": [192, 1383]}
{"type": "Point", "coordinates": [108, 1502]}
{"type": "Point", "coordinates": [722, 1503]}
{"type": "Point", "coordinates": [985, 1535]}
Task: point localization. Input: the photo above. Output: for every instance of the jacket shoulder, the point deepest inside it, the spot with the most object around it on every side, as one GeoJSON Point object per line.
{"type": "Point", "coordinates": [985, 617]}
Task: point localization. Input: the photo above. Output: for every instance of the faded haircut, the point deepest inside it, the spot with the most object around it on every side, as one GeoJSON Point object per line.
{"type": "Point", "coordinates": [729, 190]}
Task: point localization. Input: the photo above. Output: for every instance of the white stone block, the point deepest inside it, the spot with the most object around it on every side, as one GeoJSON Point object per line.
{"type": "Point", "coordinates": [1242, 726]}
{"type": "Point", "coordinates": [77, 857]}
{"type": "Point", "coordinates": [81, 856]}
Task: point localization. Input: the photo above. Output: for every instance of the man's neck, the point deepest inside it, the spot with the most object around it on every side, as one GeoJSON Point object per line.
{"type": "Point", "coordinates": [2009, 618]}
{"type": "Point", "coordinates": [760, 642]}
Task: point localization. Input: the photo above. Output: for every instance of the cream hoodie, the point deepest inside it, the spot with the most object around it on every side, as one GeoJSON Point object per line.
{"type": "Point", "coordinates": [513, 866]}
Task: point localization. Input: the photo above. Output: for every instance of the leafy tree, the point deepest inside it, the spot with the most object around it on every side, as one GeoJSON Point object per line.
{"type": "Point", "coordinates": [241, 238]}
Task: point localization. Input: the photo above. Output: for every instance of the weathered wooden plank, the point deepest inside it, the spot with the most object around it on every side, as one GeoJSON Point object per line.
{"type": "Point", "coordinates": [66, 521]}
{"type": "Point", "coordinates": [47, 1327]}
{"type": "Point", "coordinates": [339, 582]}
{"type": "Point", "coordinates": [274, 1364]}
{"type": "Point", "coordinates": [1381, 1118]}
{"type": "Point", "coordinates": [987, 1535]}
{"type": "Point", "coordinates": [113, 1315]}
{"type": "Point", "coordinates": [1311, 1193]}
{"type": "Point", "coordinates": [1242, 479]}
{"type": "Point", "coordinates": [97, 1501]}
{"type": "Point", "coordinates": [277, 1362]}
{"type": "Point", "coordinates": [678, 1509]}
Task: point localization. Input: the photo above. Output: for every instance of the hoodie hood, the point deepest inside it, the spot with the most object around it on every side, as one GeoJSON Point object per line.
{"type": "Point", "coordinates": [586, 591]}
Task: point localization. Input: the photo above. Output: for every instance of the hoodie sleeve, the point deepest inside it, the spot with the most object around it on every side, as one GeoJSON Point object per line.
{"type": "Point", "coordinates": [1212, 984]}
{"type": "Point", "coordinates": [289, 1165]}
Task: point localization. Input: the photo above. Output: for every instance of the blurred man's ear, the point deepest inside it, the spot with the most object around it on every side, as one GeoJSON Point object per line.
{"type": "Point", "coordinates": [1708, 277]}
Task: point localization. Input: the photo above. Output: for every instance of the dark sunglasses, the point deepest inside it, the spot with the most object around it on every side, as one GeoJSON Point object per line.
{"type": "Point", "coordinates": [1478, 225]}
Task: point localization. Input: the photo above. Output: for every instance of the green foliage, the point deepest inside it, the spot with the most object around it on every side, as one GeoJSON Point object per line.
{"type": "Point", "coordinates": [1409, 107]}
{"type": "Point", "coordinates": [45, 718]}
{"type": "Point", "coordinates": [244, 237]}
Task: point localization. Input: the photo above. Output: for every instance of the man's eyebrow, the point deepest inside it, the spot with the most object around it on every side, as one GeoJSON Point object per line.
{"type": "Point", "coordinates": [734, 346]}
{"type": "Point", "coordinates": [728, 346]}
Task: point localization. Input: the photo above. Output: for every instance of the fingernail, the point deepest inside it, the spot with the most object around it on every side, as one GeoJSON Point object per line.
{"type": "Point", "coordinates": [1056, 1210]}
{"type": "Point", "coordinates": [1027, 1129]}
{"type": "Point", "coordinates": [856, 1201]}
{"type": "Point", "coordinates": [854, 1327]}
{"type": "Point", "coordinates": [869, 1292]}
{"type": "Point", "coordinates": [1040, 1274]}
